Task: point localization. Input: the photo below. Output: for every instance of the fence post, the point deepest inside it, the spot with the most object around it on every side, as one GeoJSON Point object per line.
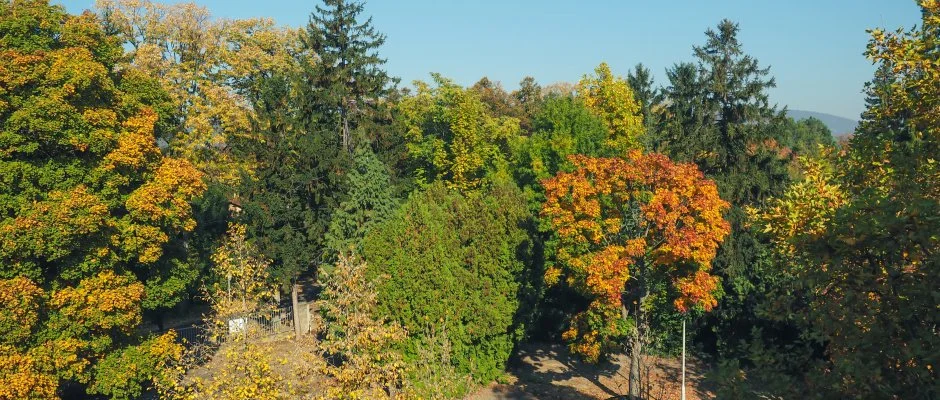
{"type": "Point", "coordinates": [683, 359]}
{"type": "Point", "coordinates": [307, 318]}
{"type": "Point", "coordinates": [294, 308]}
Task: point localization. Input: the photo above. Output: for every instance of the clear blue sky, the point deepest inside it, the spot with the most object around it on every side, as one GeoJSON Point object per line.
{"type": "Point", "coordinates": [814, 47]}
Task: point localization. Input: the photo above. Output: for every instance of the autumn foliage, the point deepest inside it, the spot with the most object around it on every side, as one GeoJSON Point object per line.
{"type": "Point", "coordinates": [617, 219]}
{"type": "Point", "coordinates": [858, 236]}
{"type": "Point", "coordinates": [462, 220]}
{"type": "Point", "coordinates": [611, 99]}
{"type": "Point", "coordinates": [91, 211]}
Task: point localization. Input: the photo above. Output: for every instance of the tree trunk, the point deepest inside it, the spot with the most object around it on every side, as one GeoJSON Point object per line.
{"type": "Point", "coordinates": [639, 294]}
{"type": "Point", "coordinates": [636, 350]}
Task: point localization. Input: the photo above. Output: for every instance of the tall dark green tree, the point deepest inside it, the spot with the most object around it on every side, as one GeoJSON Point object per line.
{"type": "Point", "coordinates": [348, 86]}
{"type": "Point", "coordinates": [297, 179]}
{"type": "Point", "coordinates": [735, 89]}
{"type": "Point", "coordinates": [685, 120]}
{"type": "Point", "coordinates": [647, 96]}
{"type": "Point", "coordinates": [717, 114]}
{"type": "Point", "coordinates": [307, 122]}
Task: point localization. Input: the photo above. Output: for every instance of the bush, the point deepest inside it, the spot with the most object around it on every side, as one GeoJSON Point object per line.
{"type": "Point", "coordinates": [447, 262]}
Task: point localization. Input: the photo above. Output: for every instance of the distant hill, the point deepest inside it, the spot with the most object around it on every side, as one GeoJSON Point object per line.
{"type": "Point", "coordinates": [838, 125]}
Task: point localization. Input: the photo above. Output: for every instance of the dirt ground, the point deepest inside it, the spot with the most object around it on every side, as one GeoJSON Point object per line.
{"type": "Point", "coordinates": [549, 371]}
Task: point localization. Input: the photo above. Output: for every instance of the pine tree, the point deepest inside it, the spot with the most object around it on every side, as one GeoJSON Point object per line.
{"type": "Point", "coordinates": [347, 85]}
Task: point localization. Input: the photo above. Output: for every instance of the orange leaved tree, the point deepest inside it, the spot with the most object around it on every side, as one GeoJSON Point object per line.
{"type": "Point", "coordinates": [624, 226]}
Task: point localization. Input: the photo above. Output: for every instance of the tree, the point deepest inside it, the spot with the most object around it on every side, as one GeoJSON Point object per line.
{"type": "Point", "coordinates": [805, 137]}
{"type": "Point", "coordinates": [242, 363]}
{"type": "Point", "coordinates": [451, 137]}
{"type": "Point", "coordinates": [529, 99]}
{"type": "Point", "coordinates": [624, 225]}
{"type": "Point", "coordinates": [22, 375]}
{"type": "Point", "coordinates": [737, 86]}
{"type": "Point", "coordinates": [346, 79]}
{"type": "Point", "coordinates": [210, 68]}
{"type": "Point", "coordinates": [304, 124]}
{"type": "Point", "coordinates": [499, 102]}
{"type": "Point", "coordinates": [244, 271]}
{"type": "Point", "coordinates": [647, 96]}
{"type": "Point", "coordinates": [297, 181]}
{"type": "Point", "coordinates": [455, 264]}
{"type": "Point", "coordinates": [564, 126]}
{"type": "Point", "coordinates": [91, 213]}
{"type": "Point", "coordinates": [719, 113]}
{"type": "Point", "coordinates": [358, 349]}
{"type": "Point", "coordinates": [368, 202]}
{"type": "Point", "coordinates": [685, 131]}
{"type": "Point", "coordinates": [612, 100]}
{"type": "Point", "coordinates": [859, 232]}
{"type": "Point", "coordinates": [716, 113]}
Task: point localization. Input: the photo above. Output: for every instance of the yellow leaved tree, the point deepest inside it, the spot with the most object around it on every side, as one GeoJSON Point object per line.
{"type": "Point", "coordinates": [93, 217]}
{"type": "Point", "coordinates": [210, 68]}
{"type": "Point", "coordinates": [611, 99]}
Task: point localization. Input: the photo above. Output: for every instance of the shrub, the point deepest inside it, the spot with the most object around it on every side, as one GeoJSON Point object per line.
{"type": "Point", "coordinates": [454, 263]}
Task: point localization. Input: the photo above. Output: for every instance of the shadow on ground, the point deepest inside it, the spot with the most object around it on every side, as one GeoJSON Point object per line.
{"type": "Point", "coordinates": [550, 371]}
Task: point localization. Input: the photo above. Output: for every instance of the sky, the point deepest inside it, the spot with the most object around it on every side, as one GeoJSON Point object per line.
{"type": "Point", "coordinates": [814, 47]}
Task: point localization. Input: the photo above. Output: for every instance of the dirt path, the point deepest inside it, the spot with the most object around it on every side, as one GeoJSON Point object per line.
{"type": "Point", "coordinates": [549, 371]}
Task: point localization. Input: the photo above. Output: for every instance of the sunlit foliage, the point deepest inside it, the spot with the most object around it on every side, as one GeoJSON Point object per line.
{"type": "Point", "coordinates": [94, 217]}
{"type": "Point", "coordinates": [210, 67]}
{"type": "Point", "coordinates": [357, 347]}
{"type": "Point", "coordinates": [451, 137]}
{"type": "Point", "coordinates": [610, 98]}
{"type": "Point", "coordinates": [858, 235]}
{"type": "Point", "coordinates": [623, 224]}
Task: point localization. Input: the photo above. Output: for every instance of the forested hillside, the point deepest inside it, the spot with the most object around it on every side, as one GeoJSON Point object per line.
{"type": "Point", "coordinates": [195, 207]}
{"type": "Point", "coordinates": [838, 125]}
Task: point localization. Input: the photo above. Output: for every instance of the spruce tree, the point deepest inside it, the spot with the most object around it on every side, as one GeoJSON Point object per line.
{"type": "Point", "coordinates": [307, 120]}
{"type": "Point", "coordinates": [647, 96]}
{"type": "Point", "coordinates": [369, 200]}
{"type": "Point", "coordinates": [288, 198]}
{"type": "Point", "coordinates": [684, 122]}
{"type": "Point", "coordinates": [717, 114]}
{"type": "Point", "coordinates": [346, 85]}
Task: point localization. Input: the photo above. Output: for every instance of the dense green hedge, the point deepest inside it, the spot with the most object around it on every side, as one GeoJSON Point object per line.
{"type": "Point", "coordinates": [453, 263]}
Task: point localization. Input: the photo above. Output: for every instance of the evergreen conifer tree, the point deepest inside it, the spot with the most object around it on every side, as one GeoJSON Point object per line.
{"type": "Point", "coordinates": [347, 85]}
{"type": "Point", "coordinates": [307, 120]}
{"type": "Point", "coordinates": [717, 114]}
